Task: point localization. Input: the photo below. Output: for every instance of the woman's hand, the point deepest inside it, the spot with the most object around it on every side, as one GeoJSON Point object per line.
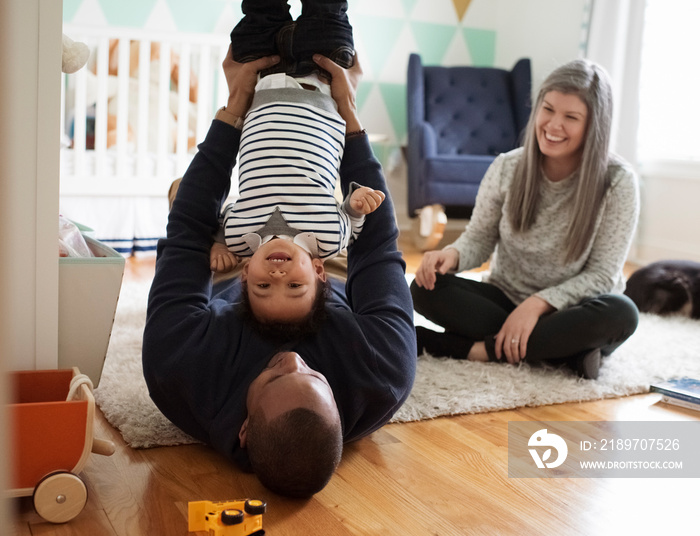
{"type": "Point", "coordinates": [344, 84]}
{"type": "Point", "coordinates": [441, 261]}
{"type": "Point", "coordinates": [241, 79]}
{"type": "Point", "coordinates": [511, 340]}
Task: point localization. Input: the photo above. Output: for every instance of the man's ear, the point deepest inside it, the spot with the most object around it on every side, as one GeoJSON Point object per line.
{"type": "Point", "coordinates": [243, 433]}
{"type": "Point", "coordinates": [319, 268]}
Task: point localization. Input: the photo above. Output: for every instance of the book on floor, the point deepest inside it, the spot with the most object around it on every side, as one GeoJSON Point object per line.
{"type": "Point", "coordinates": [683, 392]}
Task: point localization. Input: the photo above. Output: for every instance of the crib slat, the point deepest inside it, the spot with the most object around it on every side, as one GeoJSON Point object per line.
{"type": "Point", "coordinates": [79, 128]}
{"type": "Point", "coordinates": [183, 107]}
{"type": "Point", "coordinates": [204, 94]}
{"type": "Point", "coordinates": [164, 141]}
{"type": "Point", "coordinates": [142, 131]}
{"type": "Point", "coordinates": [102, 70]}
{"type": "Point", "coordinates": [123, 106]}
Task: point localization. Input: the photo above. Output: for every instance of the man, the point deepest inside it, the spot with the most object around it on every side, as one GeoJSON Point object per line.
{"type": "Point", "coordinates": [283, 411]}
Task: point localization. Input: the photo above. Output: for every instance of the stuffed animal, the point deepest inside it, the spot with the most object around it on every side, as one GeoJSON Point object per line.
{"type": "Point", "coordinates": [75, 55]}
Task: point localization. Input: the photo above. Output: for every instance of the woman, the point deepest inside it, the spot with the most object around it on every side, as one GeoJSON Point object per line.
{"type": "Point", "coordinates": [558, 215]}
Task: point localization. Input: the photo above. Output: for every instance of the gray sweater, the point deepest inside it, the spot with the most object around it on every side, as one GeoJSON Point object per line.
{"type": "Point", "coordinates": [532, 262]}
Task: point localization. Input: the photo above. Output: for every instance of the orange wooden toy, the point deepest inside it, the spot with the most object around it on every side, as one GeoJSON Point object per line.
{"type": "Point", "coordinates": [52, 416]}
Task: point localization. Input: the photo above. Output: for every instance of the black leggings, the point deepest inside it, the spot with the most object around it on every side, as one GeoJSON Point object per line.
{"type": "Point", "coordinates": [472, 311]}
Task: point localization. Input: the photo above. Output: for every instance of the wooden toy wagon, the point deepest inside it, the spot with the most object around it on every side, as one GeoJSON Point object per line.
{"type": "Point", "coordinates": [52, 415]}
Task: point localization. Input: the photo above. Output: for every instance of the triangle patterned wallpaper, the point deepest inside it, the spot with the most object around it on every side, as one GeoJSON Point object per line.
{"type": "Point", "coordinates": [444, 32]}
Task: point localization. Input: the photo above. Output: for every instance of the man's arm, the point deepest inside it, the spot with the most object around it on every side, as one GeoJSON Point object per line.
{"type": "Point", "coordinates": [381, 355]}
{"type": "Point", "coordinates": [376, 287]}
{"type": "Point", "coordinates": [373, 260]}
{"type": "Point", "coordinates": [375, 266]}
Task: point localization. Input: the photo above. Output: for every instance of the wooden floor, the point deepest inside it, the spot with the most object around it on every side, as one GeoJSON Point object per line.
{"type": "Point", "coordinates": [447, 476]}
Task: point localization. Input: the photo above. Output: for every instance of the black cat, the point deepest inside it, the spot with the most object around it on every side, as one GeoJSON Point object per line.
{"type": "Point", "coordinates": [666, 288]}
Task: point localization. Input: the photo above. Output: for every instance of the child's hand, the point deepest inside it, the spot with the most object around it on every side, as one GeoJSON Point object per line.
{"type": "Point", "coordinates": [221, 259]}
{"type": "Point", "coordinates": [365, 200]}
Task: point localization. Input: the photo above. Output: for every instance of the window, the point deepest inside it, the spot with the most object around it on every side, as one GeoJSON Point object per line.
{"type": "Point", "coordinates": [669, 105]}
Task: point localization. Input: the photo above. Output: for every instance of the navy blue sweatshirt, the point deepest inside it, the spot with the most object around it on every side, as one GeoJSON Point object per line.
{"type": "Point", "coordinates": [199, 356]}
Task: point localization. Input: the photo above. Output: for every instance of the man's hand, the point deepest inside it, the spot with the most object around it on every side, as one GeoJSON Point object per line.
{"type": "Point", "coordinates": [344, 84]}
{"type": "Point", "coordinates": [241, 79]}
{"type": "Point", "coordinates": [365, 200]}
{"type": "Point", "coordinates": [441, 261]}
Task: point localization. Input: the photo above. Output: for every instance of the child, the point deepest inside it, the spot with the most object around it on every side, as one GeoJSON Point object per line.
{"type": "Point", "coordinates": [287, 219]}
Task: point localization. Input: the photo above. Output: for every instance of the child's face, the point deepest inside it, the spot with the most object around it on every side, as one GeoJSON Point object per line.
{"type": "Point", "coordinates": [282, 281]}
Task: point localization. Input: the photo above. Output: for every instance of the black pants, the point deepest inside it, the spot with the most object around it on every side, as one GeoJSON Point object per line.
{"type": "Point", "coordinates": [472, 311]}
{"type": "Point", "coordinates": [267, 28]}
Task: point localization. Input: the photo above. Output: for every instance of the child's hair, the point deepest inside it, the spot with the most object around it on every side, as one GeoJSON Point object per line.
{"type": "Point", "coordinates": [591, 84]}
{"type": "Point", "coordinates": [287, 331]}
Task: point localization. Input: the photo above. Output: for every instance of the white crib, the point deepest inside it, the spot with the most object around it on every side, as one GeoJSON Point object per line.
{"type": "Point", "coordinates": [129, 135]}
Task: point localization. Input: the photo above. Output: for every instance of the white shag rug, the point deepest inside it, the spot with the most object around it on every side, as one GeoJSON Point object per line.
{"type": "Point", "coordinates": [660, 349]}
{"type": "Point", "coordinates": [122, 394]}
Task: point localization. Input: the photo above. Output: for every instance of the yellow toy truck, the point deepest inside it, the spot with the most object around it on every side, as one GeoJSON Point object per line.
{"type": "Point", "coordinates": [240, 517]}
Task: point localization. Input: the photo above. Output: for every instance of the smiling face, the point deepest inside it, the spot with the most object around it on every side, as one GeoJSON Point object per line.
{"type": "Point", "coordinates": [560, 126]}
{"type": "Point", "coordinates": [288, 383]}
{"type": "Point", "coordinates": [282, 280]}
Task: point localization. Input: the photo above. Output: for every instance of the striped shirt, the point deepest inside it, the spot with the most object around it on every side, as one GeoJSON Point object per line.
{"type": "Point", "coordinates": [291, 147]}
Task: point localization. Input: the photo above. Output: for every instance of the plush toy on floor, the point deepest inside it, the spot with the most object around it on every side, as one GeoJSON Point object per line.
{"type": "Point", "coordinates": [667, 288]}
{"type": "Point", "coordinates": [75, 55]}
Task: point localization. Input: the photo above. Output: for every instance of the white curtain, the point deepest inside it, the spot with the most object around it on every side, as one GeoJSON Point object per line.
{"type": "Point", "coordinates": [615, 42]}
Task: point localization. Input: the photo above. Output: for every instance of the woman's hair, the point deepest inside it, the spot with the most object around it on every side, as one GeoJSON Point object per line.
{"type": "Point", "coordinates": [591, 84]}
{"type": "Point", "coordinates": [296, 453]}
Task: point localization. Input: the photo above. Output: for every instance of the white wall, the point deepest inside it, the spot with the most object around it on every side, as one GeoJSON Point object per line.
{"type": "Point", "coordinates": [30, 100]}
{"type": "Point", "coordinates": [670, 220]}
{"type": "Point", "coordinates": [549, 32]}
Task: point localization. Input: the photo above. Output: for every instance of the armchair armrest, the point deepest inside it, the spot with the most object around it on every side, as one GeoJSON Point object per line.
{"type": "Point", "coordinates": [423, 141]}
{"type": "Point", "coordinates": [422, 145]}
{"type": "Point", "coordinates": [522, 89]}
{"type": "Point", "coordinates": [415, 92]}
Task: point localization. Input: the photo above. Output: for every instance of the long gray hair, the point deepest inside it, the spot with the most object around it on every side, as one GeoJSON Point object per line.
{"type": "Point", "coordinates": [591, 84]}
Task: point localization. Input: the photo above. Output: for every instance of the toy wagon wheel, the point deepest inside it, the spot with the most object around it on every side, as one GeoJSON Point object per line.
{"type": "Point", "coordinates": [231, 516]}
{"type": "Point", "coordinates": [255, 507]}
{"type": "Point", "coordinates": [59, 497]}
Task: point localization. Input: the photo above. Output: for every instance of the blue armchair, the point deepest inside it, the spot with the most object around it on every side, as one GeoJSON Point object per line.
{"type": "Point", "coordinates": [459, 120]}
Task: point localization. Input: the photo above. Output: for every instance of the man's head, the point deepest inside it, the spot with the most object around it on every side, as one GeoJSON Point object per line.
{"type": "Point", "coordinates": [282, 282]}
{"type": "Point", "coordinates": [293, 432]}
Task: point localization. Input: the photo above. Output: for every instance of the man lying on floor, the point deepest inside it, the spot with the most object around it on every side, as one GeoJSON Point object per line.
{"type": "Point", "coordinates": [283, 410]}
